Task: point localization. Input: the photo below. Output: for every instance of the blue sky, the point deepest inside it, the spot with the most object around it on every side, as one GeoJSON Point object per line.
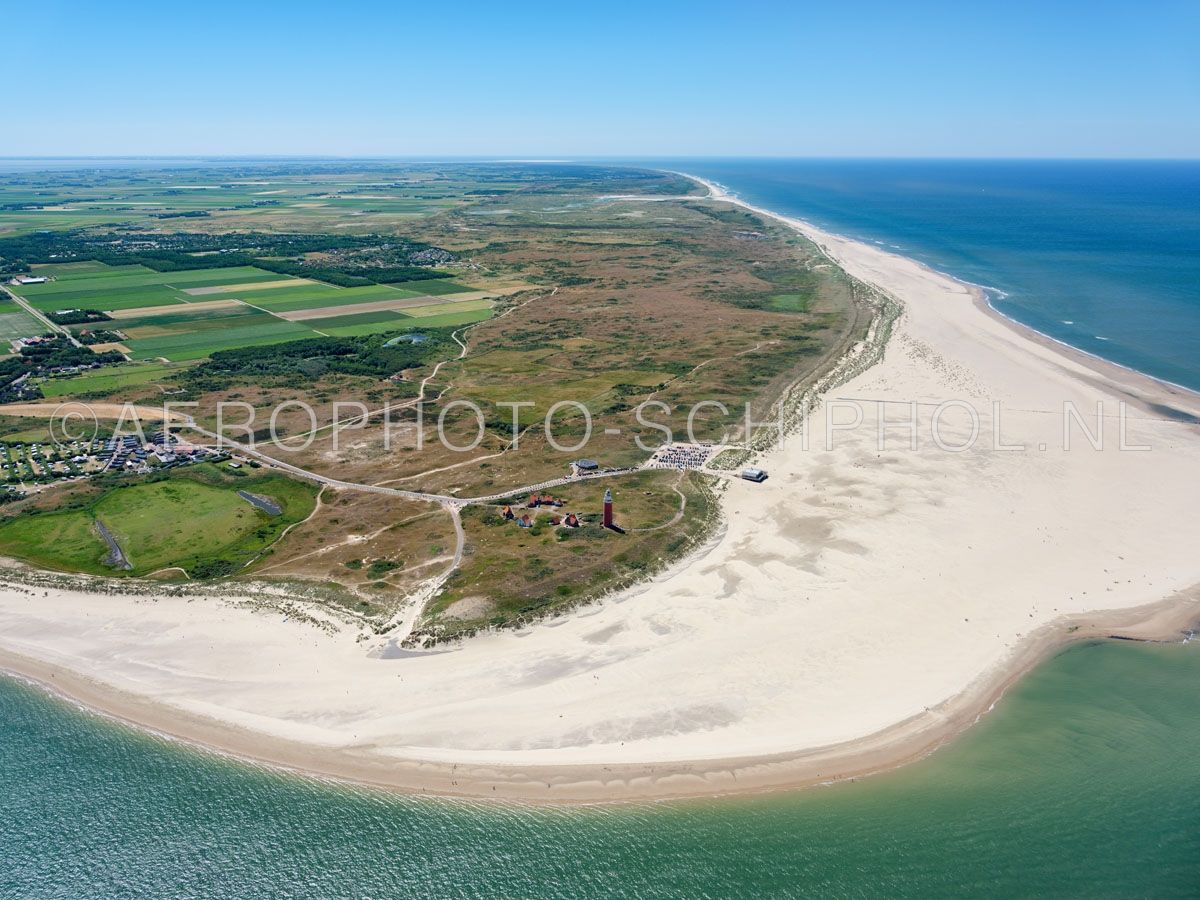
{"type": "Point", "coordinates": [603, 79]}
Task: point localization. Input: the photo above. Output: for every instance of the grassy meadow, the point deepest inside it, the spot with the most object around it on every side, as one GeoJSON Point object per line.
{"type": "Point", "coordinates": [228, 308]}
{"type": "Point", "coordinates": [193, 518]}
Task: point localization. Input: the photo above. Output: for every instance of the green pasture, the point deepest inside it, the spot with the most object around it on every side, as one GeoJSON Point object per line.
{"type": "Point", "coordinates": [366, 328]}
{"type": "Point", "coordinates": [402, 323]}
{"type": "Point", "coordinates": [193, 518]}
{"type": "Point", "coordinates": [176, 314]}
{"type": "Point", "coordinates": [108, 301]}
{"type": "Point", "coordinates": [186, 278]}
{"type": "Point", "coordinates": [16, 323]}
{"type": "Point", "coordinates": [245, 318]}
{"type": "Point", "coordinates": [437, 309]}
{"type": "Point", "coordinates": [285, 300]}
{"type": "Point", "coordinates": [450, 319]}
{"type": "Point", "coordinates": [197, 345]}
{"type": "Point", "coordinates": [86, 267]}
{"type": "Point", "coordinates": [432, 286]}
{"type": "Point", "coordinates": [119, 288]}
{"type": "Point", "coordinates": [107, 379]}
{"type": "Point", "coordinates": [368, 318]}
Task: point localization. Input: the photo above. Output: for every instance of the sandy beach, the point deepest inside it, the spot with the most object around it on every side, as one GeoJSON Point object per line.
{"type": "Point", "coordinates": [861, 607]}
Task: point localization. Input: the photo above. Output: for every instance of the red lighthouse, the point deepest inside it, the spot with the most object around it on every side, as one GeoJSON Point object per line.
{"type": "Point", "coordinates": [608, 522]}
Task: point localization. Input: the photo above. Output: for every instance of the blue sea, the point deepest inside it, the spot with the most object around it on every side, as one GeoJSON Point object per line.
{"type": "Point", "coordinates": [1083, 782]}
{"type": "Point", "coordinates": [1102, 255]}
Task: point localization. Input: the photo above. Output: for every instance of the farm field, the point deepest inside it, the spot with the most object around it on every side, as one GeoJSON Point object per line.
{"type": "Point", "coordinates": [318, 296]}
{"type": "Point", "coordinates": [194, 519]}
{"type": "Point", "coordinates": [232, 198]}
{"type": "Point", "coordinates": [199, 344]}
{"type": "Point", "coordinates": [119, 289]}
{"type": "Point", "coordinates": [188, 315]}
{"type": "Point", "coordinates": [118, 278]}
{"type": "Point", "coordinates": [16, 323]}
{"type": "Point", "coordinates": [107, 380]}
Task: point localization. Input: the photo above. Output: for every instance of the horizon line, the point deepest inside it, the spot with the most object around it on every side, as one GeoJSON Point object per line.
{"type": "Point", "coordinates": [561, 158]}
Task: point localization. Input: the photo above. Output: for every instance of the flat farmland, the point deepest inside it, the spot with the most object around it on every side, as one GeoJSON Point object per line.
{"type": "Point", "coordinates": [437, 309]}
{"type": "Point", "coordinates": [438, 315]}
{"type": "Point", "coordinates": [432, 286]}
{"type": "Point", "coordinates": [133, 287]}
{"type": "Point", "coordinates": [108, 379]}
{"type": "Point", "coordinates": [450, 319]}
{"type": "Point", "coordinates": [129, 318]}
{"type": "Point", "coordinates": [88, 267]}
{"type": "Point", "coordinates": [16, 323]}
{"type": "Point", "coordinates": [120, 278]}
{"type": "Point", "coordinates": [287, 300]}
{"type": "Point", "coordinates": [187, 315]}
{"type": "Point", "coordinates": [245, 317]}
{"type": "Point", "coordinates": [199, 344]}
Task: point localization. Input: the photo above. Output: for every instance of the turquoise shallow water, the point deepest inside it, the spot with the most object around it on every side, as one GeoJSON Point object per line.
{"type": "Point", "coordinates": [1084, 782]}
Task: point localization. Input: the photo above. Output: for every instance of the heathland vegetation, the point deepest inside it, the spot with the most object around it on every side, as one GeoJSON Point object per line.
{"type": "Point", "coordinates": [493, 284]}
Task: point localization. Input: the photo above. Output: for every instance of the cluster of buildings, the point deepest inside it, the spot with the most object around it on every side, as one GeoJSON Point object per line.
{"type": "Point", "coordinates": [570, 520]}
{"type": "Point", "coordinates": [22, 343]}
{"type": "Point", "coordinates": [161, 450]}
{"type": "Point", "coordinates": [539, 501]}
{"type": "Point", "coordinates": [35, 462]}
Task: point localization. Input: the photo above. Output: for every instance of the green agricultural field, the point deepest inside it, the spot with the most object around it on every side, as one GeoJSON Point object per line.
{"type": "Point", "coordinates": [133, 287]}
{"type": "Point", "coordinates": [87, 267]}
{"type": "Point", "coordinates": [246, 318]}
{"type": "Point", "coordinates": [449, 319]}
{"type": "Point", "coordinates": [302, 290]}
{"type": "Point", "coordinates": [384, 316]}
{"type": "Point", "coordinates": [167, 316]}
{"type": "Point", "coordinates": [367, 328]}
{"type": "Point", "coordinates": [16, 323]}
{"type": "Point", "coordinates": [107, 379]}
{"type": "Point", "coordinates": [438, 309]}
{"type": "Point", "coordinates": [108, 301]}
{"type": "Point", "coordinates": [432, 286]}
{"type": "Point", "coordinates": [285, 300]}
{"type": "Point", "coordinates": [439, 315]}
{"type": "Point", "coordinates": [196, 345]}
{"type": "Point", "coordinates": [187, 278]}
{"type": "Point", "coordinates": [192, 518]}
{"type": "Point", "coordinates": [401, 323]}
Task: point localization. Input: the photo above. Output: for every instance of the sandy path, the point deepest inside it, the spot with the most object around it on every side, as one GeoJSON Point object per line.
{"type": "Point", "coordinates": [857, 609]}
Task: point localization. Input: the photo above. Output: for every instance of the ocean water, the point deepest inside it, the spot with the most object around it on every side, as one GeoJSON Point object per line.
{"type": "Point", "coordinates": [1084, 782]}
{"type": "Point", "coordinates": [1103, 255]}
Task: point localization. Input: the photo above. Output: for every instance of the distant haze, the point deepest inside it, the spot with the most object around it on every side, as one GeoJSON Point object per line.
{"type": "Point", "coordinates": [1073, 79]}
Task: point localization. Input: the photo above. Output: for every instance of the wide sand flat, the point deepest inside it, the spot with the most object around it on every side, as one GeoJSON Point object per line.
{"type": "Point", "coordinates": [859, 607]}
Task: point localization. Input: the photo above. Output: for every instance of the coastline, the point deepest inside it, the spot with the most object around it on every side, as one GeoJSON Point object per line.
{"type": "Point", "coordinates": [1106, 368]}
{"type": "Point", "coordinates": [267, 724]}
{"type": "Point", "coordinates": [896, 746]}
